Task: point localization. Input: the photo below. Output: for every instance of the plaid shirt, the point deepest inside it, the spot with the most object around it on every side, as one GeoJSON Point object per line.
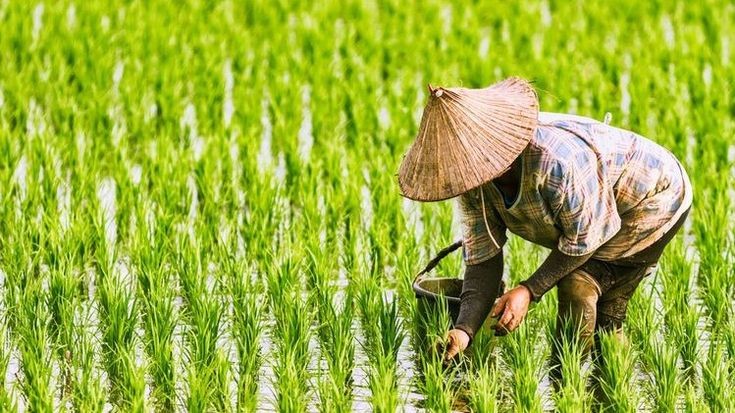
{"type": "Point", "coordinates": [585, 187]}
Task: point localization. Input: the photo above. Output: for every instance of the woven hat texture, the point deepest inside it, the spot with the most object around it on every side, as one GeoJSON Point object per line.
{"type": "Point", "coordinates": [468, 137]}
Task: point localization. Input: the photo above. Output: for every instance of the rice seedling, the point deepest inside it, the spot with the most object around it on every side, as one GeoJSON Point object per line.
{"type": "Point", "coordinates": [336, 340]}
{"type": "Point", "coordinates": [715, 378]}
{"type": "Point", "coordinates": [293, 319]}
{"type": "Point", "coordinates": [118, 313]}
{"type": "Point", "coordinates": [680, 316]}
{"type": "Point", "coordinates": [690, 336]}
{"type": "Point", "coordinates": [383, 337]}
{"type": "Point", "coordinates": [714, 249]}
{"type": "Point", "coordinates": [63, 302]}
{"type": "Point", "coordinates": [524, 364]}
{"type": "Point", "coordinates": [338, 349]}
{"type": "Point", "coordinates": [7, 401]}
{"type": "Point", "coordinates": [203, 312]}
{"type": "Point", "coordinates": [660, 360]}
{"type": "Point", "coordinates": [571, 392]}
{"type": "Point", "coordinates": [615, 367]}
{"type": "Point", "coordinates": [693, 403]}
{"type": "Point", "coordinates": [158, 313]}
{"type": "Point", "coordinates": [35, 348]}
{"type": "Point", "coordinates": [519, 351]}
{"type": "Point", "coordinates": [88, 392]}
{"type": "Point", "coordinates": [437, 386]}
{"type": "Point", "coordinates": [247, 331]}
{"type": "Point", "coordinates": [484, 389]}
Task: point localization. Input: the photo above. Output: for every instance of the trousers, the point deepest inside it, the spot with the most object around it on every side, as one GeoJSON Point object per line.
{"type": "Point", "coordinates": [594, 297]}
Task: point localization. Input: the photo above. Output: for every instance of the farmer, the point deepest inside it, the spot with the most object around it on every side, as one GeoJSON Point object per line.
{"type": "Point", "coordinates": [606, 201]}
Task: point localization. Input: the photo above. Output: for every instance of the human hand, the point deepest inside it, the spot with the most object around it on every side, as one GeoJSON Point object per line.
{"type": "Point", "coordinates": [512, 308]}
{"type": "Point", "coordinates": [457, 342]}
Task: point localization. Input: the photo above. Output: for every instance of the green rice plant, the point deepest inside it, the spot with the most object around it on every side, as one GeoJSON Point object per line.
{"type": "Point", "coordinates": [247, 332]}
{"type": "Point", "coordinates": [22, 261]}
{"type": "Point", "coordinates": [64, 288]}
{"type": "Point", "coordinates": [7, 401]}
{"type": "Point", "coordinates": [714, 244]}
{"type": "Point", "coordinates": [437, 378]}
{"type": "Point", "coordinates": [728, 337]}
{"type": "Point", "coordinates": [482, 353]}
{"type": "Point", "coordinates": [485, 389]}
{"type": "Point", "coordinates": [680, 316]}
{"type": "Point", "coordinates": [205, 359]}
{"type": "Point", "coordinates": [518, 349]}
{"type": "Point", "coordinates": [383, 336]}
{"type": "Point", "coordinates": [661, 361]}
{"type": "Point", "coordinates": [524, 364]}
{"type": "Point", "coordinates": [118, 316]}
{"type": "Point", "coordinates": [338, 349]}
{"type": "Point", "coordinates": [641, 319]}
{"type": "Point", "coordinates": [34, 347]}
{"type": "Point", "coordinates": [686, 332]}
{"type": "Point", "coordinates": [436, 385]}
{"type": "Point", "coordinates": [203, 312]}
{"type": "Point", "coordinates": [292, 333]}
{"type": "Point", "coordinates": [675, 272]}
{"type": "Point", "coordinates": [88, 393]}
{"type": "Point", "coordinates": [571, 393]}
{"type": "Point", "coordinates": [132, 389]}
{"type": "Point", "coordinates": [293, 321]}
{"type": "Point", "coordinates": [689, 344]}
{"type": "Point", "coordinates": [715, 295]}
{"type": "Point", "coordinates": [207, 385]}
{"type": "Point", "coordinates": [157, 314]}
{"type": "Point", "coordinates": [658, 358]}
{"type": "Point", "coordinates": [716, 379]}
{"type": "Point", "coordinates": [615, 369]}
{"type": "Point", "coordinates": [484, 380]}
{"type": "Point", "coordinates": [407, 302]}
{"type": "Point", "coordinates": [693, 402]}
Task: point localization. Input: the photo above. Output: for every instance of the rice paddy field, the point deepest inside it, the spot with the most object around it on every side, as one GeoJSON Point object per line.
{"type": "Point", "coordinates": [199, 208]}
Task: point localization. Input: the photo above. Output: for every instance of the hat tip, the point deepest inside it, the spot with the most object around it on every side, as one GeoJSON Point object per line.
{"type": "Point", "coordinates": [435, 91]}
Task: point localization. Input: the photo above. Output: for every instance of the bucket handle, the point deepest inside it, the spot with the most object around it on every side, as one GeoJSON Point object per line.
{"type": "Point", "coordinates": [439, 256]}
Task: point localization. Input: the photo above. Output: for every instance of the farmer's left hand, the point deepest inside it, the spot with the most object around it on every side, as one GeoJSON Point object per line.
{"type": "Point", "coordinates": [512, 308]}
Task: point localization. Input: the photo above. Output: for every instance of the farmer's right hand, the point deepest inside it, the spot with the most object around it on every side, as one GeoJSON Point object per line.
{"type": "Point", "coordinates": [457, 341]}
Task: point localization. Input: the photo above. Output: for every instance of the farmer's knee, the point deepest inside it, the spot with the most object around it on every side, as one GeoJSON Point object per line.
{"type": "Point", "coordinates": [612, 307]}
{"type": "Point", "coordinates": [611, 314]}
{"type": "Point", "coordinates": [578, 293]}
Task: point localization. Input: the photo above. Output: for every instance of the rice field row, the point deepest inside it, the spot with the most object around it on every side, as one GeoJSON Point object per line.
{"type": "Point", "coordinates": [199, 209]}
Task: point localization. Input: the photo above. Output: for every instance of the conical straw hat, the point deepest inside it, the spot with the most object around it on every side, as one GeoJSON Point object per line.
{"type": "Point", "coordinates": [468, 137]}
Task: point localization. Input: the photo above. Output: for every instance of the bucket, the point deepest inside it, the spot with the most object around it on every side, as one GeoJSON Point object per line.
{"type": "Point", "coordinates": [429, 290]}
{"type": "Point", "coordinates": [434, 291]}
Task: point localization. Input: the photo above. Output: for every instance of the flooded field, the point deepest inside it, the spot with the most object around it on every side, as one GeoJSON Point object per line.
{"type": "Point", "coordinates": [199, 208]}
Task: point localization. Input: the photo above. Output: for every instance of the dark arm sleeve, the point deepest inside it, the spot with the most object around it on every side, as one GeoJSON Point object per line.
{"type": "Point", "coordinates": [554, 268]}
{"type": "Point", "coordinates": [480, 288]}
